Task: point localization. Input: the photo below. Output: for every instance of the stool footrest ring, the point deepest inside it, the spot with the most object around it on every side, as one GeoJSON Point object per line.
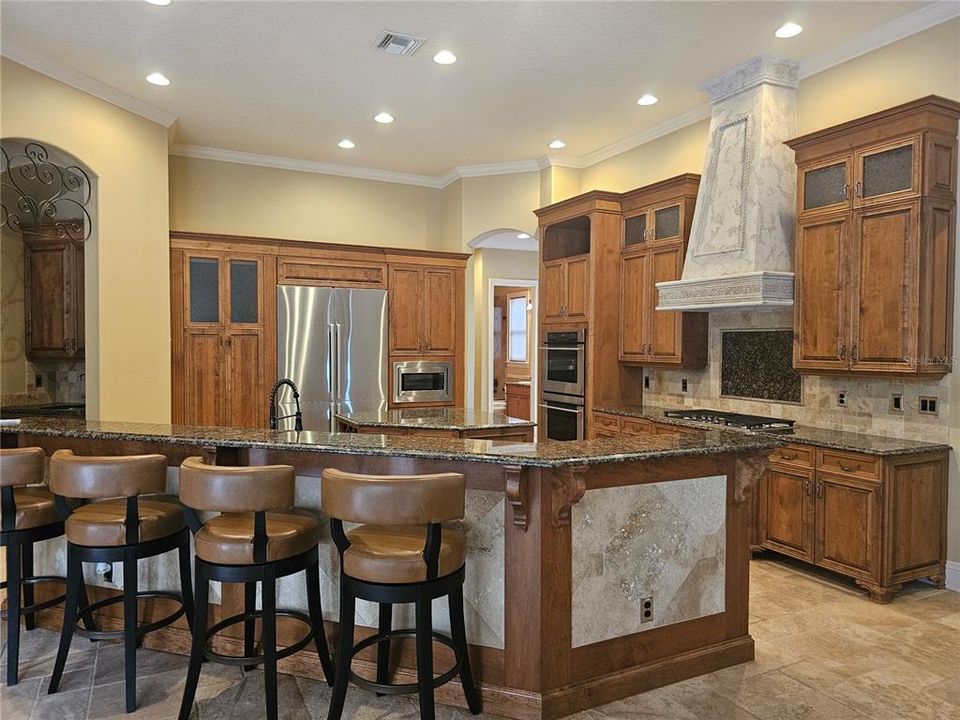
{"type": "Point", "coordinates": [141, 629]}
{"type": "Point", "coordinates": [37, 607]}
{"type": "Point", "coordinates": [405, 688]}
{"type": "Point", "coordinates": [256, 659]}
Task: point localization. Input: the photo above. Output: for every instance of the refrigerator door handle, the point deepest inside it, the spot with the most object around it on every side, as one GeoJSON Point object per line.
{"type": "Point", "coordinates": [338, 382]}
{"type": "Point", "coordinates": [333, 359]}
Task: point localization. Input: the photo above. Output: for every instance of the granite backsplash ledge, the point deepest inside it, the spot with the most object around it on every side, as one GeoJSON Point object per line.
{"type": "Point", "coordinates": [868, 398]}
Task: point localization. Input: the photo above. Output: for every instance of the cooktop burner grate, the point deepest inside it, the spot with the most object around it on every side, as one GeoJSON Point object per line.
{"type": "Point", "coordinates": [736, 420]}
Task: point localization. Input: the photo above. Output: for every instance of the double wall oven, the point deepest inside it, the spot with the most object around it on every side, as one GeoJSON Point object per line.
{"type": "Point", "coordinates": [563, 382]}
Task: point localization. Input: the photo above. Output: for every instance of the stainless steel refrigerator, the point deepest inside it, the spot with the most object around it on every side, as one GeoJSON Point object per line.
{"type": "Point", "coordinates": [332, 342]}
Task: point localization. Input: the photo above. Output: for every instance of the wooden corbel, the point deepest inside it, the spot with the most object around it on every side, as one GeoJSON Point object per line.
{"type": "Point", "coordinates": [750, 469]}
{"type": "Point", "coordinates": [516, 490]}
{"type": "Point", "coordinates": [567, 486]}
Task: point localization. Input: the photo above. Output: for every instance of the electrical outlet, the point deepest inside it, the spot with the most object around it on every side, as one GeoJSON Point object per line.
{"type": "Point", "coordinates": [842, 398]}
{"type": "Point", "coordinates": [928, 405]}
{"type": "Point", "coordinates": [646, 382]}
{"type": "Point", "coordinates": [647, 605]}
{"type": "Point", "coordinates": [896, 403]}
{"type": "Point", "coordinates": [683, 385]}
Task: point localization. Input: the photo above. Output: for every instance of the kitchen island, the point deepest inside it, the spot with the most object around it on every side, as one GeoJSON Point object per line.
{"type": "Point", "coordinates": [437, 422]}
{"type": "Point", "coordinates": [596, 569]}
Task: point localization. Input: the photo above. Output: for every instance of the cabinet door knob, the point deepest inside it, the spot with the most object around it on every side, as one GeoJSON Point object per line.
{"type": "Point", "coordinates": [843, 351]}
{"type": "Point", "coordinates": [846, 191]}
{"type": "Point", "coordinates": [858, 189]}
{"type": "Point", "coordinates": [819, 488]}
{"type": "Point", "coordinates": [849, 468]}
{"type": "Point", "coordinates": [853, 353]}
{"type": "Point", "coordinates": [807, 487]}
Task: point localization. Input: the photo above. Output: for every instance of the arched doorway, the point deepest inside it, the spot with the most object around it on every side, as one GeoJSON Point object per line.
{"type": "Point", "coordinates": [47, 224]}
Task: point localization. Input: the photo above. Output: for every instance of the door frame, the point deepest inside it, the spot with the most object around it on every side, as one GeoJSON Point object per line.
{"type": "Point", "coordinates": [493, 283]}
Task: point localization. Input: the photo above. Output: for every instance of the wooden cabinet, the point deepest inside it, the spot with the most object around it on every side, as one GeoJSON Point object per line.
{"type": "Point", "coordinates": [609, 425]}
{"type": "Point", "coordinates": [425, 298]}
{"type": "Point", "coordinates": [656, 226]}
{"type": "Point", "coordinates": [566, 289]}
{"type": "Point", "coordinates": [875, 241]}
{"type": "Point", "coordinates": [880, 520]}
{"type": "Point", "coordinates": [53, 298]}
{"type": "Point", "coordinates": [423, 319]}
{"type": "Point", "coordinates": [518, 400]}
{"type": "Point", "coordinates": [223, 336]}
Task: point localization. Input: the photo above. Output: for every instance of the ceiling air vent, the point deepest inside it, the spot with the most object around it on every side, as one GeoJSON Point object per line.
{"type": "Point", "coordinates": [397, 43]}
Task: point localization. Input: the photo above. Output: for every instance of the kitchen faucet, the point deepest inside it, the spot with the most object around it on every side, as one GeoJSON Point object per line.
{"type": "Point", "coordinates": [298, 423]}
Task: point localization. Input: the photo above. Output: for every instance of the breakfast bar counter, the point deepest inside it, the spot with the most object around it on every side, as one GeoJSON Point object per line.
{"type": "Point", "coordinates": [437, 422]}
{"type": "Point", "coordinates": [595, 569]}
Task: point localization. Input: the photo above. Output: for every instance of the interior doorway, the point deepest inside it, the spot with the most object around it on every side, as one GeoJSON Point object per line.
{"type": "Point", "coordinates": [512, 345]}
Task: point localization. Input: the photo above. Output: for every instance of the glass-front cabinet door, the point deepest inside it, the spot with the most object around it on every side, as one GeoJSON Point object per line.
{"type": "Point", "coordinates": [888, 172]}
{"type": "Point", "coordinates": [635, 231]}
{"type": "Point", "coordinates": [245, 296]}
{"type": "Point", "coordinates": [203, 290]}
{"type": "Point", "coordinates": [667, 222]}
{"type": "Point", "coordinates": [825, 186]}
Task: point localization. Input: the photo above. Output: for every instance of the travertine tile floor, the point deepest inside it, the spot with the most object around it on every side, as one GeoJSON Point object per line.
{"type": "Point", "coordinates": [823, 653]}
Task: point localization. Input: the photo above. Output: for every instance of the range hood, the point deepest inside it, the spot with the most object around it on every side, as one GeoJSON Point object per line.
{"type": "Point", "coordinates": [740, 253]}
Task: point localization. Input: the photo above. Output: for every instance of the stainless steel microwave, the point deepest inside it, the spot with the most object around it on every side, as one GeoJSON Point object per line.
{"type": "Point", "coordinates": [416, 381]}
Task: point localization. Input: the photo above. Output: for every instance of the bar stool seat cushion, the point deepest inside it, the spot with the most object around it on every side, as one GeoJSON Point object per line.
{"type": "Point", "coordinates": [102, 523]}
{"type": "Point", "coordinates": [227, 539]}
{"type": "Point", "coordinates": [394, 554]}
{"type": "Point", "coordinates": [35, 507]}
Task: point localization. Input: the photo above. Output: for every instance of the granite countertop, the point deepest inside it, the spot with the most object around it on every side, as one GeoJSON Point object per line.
{"type": "Point", "coordinates": [548, 454]}
{"type": "Point", "coordinates": [848, 440]}
{"type": "Point", "coordinates": [445, 418]}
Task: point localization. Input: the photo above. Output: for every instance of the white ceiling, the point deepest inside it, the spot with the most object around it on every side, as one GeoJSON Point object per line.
{"type": "Point", "coordinates": [291, 78]}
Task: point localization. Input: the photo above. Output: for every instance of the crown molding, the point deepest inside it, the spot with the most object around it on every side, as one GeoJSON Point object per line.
{"type": "Point", "coordinates": [308, 166]}
{"type": "Point", "coordinates": [876, 38]}
{"type": "Point", "coordinates": [86, 84]}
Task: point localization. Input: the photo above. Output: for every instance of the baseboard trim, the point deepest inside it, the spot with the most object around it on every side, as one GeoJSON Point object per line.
{"type": "Point", "coordinates": [953, 575]}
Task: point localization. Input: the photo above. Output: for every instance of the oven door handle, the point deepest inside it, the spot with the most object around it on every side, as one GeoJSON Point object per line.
{"type": "Point", "coordinates": [576, 348]}
{"type": "Point", "coordinates": [560, 409]}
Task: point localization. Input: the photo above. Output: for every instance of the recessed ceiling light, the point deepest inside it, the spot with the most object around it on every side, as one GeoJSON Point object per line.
{"type": "Point", "coordinates": [523, 236]}
{"type": "Point", "coordinates": [445, 57]}
{"type": "Point", "coordinates": [347, 144]}
{"type": "Point", "coordinates": [788, 30]}
{"type": "Point", "coordinates": [557, 145]}
{"type": "Point", "coordinates": [159, 2]}
{"type": "Point", "coordinates": [648, 99]}
{"type": "Point", "coordinates": [157, 78]}
{"type": "Point", "coordinates": [384, 118]}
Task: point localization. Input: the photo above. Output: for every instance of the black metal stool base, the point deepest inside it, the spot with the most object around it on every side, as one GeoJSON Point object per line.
{"type": "Point", "coordinates": [421, 594]}
{"type": "Point", "coordinates": [18, 545]}
{"type": "Point", "coordinates": [266, 573]}
{"type": "Point", "coordinates": [77, 609]}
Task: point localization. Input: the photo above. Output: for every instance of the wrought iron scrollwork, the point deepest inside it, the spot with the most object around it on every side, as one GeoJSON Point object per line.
{"type": "Point", "coordinates": [36, 192]}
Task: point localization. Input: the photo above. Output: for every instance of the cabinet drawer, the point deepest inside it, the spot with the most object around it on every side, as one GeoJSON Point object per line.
{"type": "Point", "coordinates": [636, 426]}
{"type": "Point", "coordinates": [798, 455]}
{"type": "Point", "coordinates": [607, 422]}
{"type": "Point", "coordinates": [605, 433]}
{"type": "Point", "coordinates": [864, 466]}
{"type": "Point", "coordinates": [330, 273]}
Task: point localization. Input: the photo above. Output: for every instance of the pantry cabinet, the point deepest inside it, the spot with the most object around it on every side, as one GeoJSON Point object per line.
{"type": "Point", "coordinates": [875, 236]}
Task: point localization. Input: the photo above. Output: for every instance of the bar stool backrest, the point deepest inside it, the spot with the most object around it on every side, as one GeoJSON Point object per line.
{"type": "Point", "coordinates": [99, 477]}
{"type": "Point", "coordinates": [21, 466]}
{"type": "Point", "coordinates": [224, 488]}
{"type": "Point", "coordinates": [393, 499]}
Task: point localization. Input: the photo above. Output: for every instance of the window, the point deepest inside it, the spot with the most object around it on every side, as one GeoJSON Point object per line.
{"type": "Point", "coordinates": [517, 324]}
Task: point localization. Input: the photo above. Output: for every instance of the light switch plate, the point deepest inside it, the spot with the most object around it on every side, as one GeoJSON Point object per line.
{"type": "Point", "coordinates": [896, 403]}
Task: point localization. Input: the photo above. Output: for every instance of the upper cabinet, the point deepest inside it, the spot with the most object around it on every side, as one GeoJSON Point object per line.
{"type": "Point", "coordinates": [53, 312]}
{"type": "Point", "coordinates": [655, 229]}
{"type": "Point", "coordinates": [876, 222]}
{"type": "Point", "coordinates": [424, 315]}
{"type": "Point", "coordinates": [565, 256]}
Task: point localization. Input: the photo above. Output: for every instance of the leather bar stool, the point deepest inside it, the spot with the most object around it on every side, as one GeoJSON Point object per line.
{"type": "Point", "coordinates": [128, 521]}
{"type": "Point", "coordinates": [258, 537]}
{"type": "Point", "coordinates": [30, 513]}
{"type": "Point", "coordinates": [400, 554]}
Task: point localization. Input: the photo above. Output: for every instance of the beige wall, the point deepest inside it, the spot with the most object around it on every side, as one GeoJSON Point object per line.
{"type": "Point", "coordinates": [499, 201]}
{"type": "Point", "coordinates": [558, 183]}
{"type": "Point", "coordinates": [127, 306]}
{"type": "Point", "coordinates": [219, 197]}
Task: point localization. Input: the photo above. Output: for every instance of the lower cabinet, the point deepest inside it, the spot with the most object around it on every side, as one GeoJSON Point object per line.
{"type": "Point", "coordinates": [610, 425]}
{"type": "Point", "coordinates": [518, 400]}
{"type": "Point", "coordinates": [879, 520]}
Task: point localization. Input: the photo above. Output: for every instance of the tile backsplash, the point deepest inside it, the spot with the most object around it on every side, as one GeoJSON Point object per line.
{"type": "Point", "coordinates": [868, 399]}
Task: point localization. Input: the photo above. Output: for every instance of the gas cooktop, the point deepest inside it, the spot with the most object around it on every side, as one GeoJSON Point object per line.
{"type": "Point", "coordinates": [735, 420]}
